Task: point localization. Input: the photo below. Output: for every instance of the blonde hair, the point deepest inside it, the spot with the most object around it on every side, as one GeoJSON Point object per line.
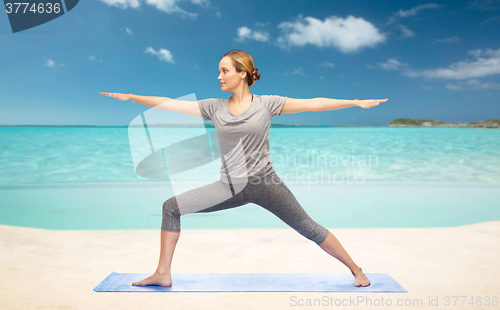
{"type": "Point", "coordinates": [242, 61]}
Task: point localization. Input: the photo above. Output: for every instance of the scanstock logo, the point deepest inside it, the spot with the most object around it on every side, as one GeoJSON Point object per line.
{"type": "Point", "coordinates": [28, 14]}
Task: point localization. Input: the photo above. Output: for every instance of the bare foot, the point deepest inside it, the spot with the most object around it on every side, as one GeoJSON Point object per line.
{"type": "Point", "coordinates": [155, 279]}
{"type": "Point", "coordinates": [360, 278]}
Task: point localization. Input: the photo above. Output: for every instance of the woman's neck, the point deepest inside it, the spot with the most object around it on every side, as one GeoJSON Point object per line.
{"type": "Point", "coordinates": [238, 97]}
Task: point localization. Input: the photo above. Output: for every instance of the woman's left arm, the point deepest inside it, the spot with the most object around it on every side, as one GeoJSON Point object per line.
{"type": "Point", "coordinates": [293, 105]}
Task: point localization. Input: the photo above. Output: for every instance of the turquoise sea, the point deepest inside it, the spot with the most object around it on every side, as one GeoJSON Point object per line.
{"type": "Point", "coordinates": [85, 177]}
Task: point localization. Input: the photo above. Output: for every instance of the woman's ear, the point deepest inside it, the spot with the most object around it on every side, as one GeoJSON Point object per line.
{"type": "Point", "coordinates": [243, 74]}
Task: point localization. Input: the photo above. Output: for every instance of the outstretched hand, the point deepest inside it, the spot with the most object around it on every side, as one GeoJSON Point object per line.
{"type": "Point", "coordinates": [121, 97]}
{"type": "Point", "coordinates": [369, 103]}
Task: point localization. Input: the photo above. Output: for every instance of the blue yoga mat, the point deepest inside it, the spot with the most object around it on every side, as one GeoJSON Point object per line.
{"type": "Point", "coordinates": [252, 282]}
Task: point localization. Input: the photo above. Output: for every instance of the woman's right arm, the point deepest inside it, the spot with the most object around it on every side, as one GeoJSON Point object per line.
{"type": "Point", "coordinates": [190, 108]}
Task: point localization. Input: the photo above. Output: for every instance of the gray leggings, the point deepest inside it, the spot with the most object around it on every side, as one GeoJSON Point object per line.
{"type": "Point", "coordinates": [268, 192]}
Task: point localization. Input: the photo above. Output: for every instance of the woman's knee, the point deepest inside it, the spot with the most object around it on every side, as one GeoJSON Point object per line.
{"type": "Point", "coordinates": [171, 216]}
{"type": "Point", "coordinates": [324, 235]}
{"type": "Point", "coordinates": [313, 231]}
{"type": "Point", "coordinates": [170, 207]}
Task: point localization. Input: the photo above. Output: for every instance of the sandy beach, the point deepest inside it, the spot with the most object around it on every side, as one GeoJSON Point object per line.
{"type": "Point", "coordinates": [50, 269]}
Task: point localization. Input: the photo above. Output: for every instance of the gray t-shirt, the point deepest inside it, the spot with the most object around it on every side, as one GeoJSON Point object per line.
{"type": "Point", "coordinates": [244, 138]}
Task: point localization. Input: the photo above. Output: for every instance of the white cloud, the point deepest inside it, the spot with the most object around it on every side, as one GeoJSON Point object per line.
{"type": "Point", "coordinates": [327, 64]}
{"type": "Point", "coordinates": [406, 32]}
{"type": "Point", "coordinates": [453, 87]}
{"type": "Point", "coordinates": [245, 33]}
{"type": "Point", "coordinates": [478, 85]}
{"type": "Point", "coordinates": [262, 24]}
{"type": "Point", "coordinates": [93, 58]}
{"type": "Point", "coordinates": [348, 35]}
{"type": "Point", "coordinates": [473, 84]}
{"type": "Point", "coordinates": [162, 54]}
{"type": "Point", "coordinates": [51, 63]}
{"type": "Point", "coordinates": [482, 66]}
{"type": "Point", "coordinates": [296, 71]}
{"type": "Point", "coordinates": [418, 8]}
{"type": "Point", "coordinates": [413, 11]}
{"type": "Point", "coordinates": [393, 64]}
{"type": "Point", "coordinates": [492, 19]}
{"type": "Point", "coordinates": [485, 5]}
{"type": "Point", "coordinates": [123, 4]}
{"type": "Point", "coordinates": [167, 6]}
{"type": "Point", "coordinates": [487, 63]}
{"type": "Point", "coordinates": [200, 2]}
{"type": "Point", "coordinates": [447, 40]}
{"type": "Point", "coordinates": [128, 30]}
{"type": "Point", "coordinates": [476, 53]}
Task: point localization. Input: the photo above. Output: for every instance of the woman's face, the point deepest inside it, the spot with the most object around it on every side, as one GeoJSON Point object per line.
{"type": "Point", "coordinates": [228, 77]}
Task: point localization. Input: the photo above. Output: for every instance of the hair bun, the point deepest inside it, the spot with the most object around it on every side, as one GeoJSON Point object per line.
{"type": "Point", "coordinates": [255, 74]}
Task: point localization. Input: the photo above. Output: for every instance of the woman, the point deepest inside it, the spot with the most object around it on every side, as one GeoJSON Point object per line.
{"type": "Point", "coordinates": [247, 176]}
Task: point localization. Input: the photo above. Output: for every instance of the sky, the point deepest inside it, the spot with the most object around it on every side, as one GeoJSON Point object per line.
{"type": "Point", "coordinates": [437, 60]}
